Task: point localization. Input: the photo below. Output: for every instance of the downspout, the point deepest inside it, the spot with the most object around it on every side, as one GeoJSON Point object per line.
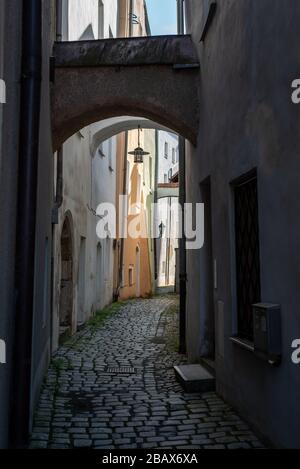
{"type": "Point", "coordinates": [130, 18]}
{"type": "Point", "coordinates": [59, 170]}
{"type": "Point", "coordinates": [182, 250]}
{"type": "Point", "coordinates": [59, 20]}
{"type": "Point", "coordinates": [182, 200]}
{"type": "Point", "coordinates": [59, 177]}
{"type": "Point", "coordinates": [26, 234]}
{"type": "Point", "coordinates": [155, 205]}
{"type": "Point", "coordinates": [124, 193]}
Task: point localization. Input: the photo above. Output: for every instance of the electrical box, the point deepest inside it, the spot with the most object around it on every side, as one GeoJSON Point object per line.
{"type": "Point", "coordinates": [267, 332]}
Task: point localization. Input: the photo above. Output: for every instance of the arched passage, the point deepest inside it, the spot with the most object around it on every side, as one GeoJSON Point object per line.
{"type": "Point", "coordinates": [155, 78]}
{"type": "Point", "coordinates": [66, 299]}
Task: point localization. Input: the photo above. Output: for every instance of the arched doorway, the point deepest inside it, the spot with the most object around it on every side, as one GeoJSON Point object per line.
{"type": "Point", "coordinates": [66, 281]}
{"type": "Point", "coordinates": [138, 272]}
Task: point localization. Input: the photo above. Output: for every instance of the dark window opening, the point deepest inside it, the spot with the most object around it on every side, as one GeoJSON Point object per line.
{"type": "Point", "coordinates": [247, 252]}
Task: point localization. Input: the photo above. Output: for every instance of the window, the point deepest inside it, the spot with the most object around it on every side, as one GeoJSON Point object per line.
{"type": "Point", "coordinates": [123, 276]}
{"type": "Point", "coordinates": [173, 156]}
{"type": "Point", "coordinates": [166, 150]}
{"type": "Point", "coordinates": [150, 171]}
{"type": "Point", "coordinates": [130, 276]}
{"type": "Point", "coordinates": [100, 19]}
{"type": "Point", "coordinates": [165, 178]}
{"type": "Point", "coordinates": [177, 155]}
{"type": "Point", "coordinates": [139, 189]}
{"type": "Point", "coordinates": [99, 268]}
{"type": "Point", "coordinates": [170, 175]}
{"type": "Point", "coordinates": [247, 252]}
{"type": "Point", "coordinates": [46, 283]}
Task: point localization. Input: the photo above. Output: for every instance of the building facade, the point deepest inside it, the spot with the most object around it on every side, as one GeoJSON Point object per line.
{"type": "Point", "coordinates": [167, 210]}
{"type": "Point", "coordinates": [245, 171]}
{"type": "Point", "coordinates": [83, 264]}
{"type": "Point", "coordinates": [134, 257]}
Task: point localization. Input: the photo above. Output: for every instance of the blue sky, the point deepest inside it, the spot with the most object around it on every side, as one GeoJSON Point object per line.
{"type": "Point", "coordinates": [162, 16]}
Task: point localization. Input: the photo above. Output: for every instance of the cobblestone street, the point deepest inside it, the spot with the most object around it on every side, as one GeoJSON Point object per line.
{"type": "Point", "coordinates": [113, 386]}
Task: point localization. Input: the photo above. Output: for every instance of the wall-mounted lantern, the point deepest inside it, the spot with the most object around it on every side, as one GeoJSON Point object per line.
{"type": "Point", "coordinates": [139, 153]}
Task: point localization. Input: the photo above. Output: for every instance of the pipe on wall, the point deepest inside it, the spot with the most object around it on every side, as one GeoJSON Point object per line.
{"type": "Point", "coordinates": [182, 200]}
{"type": "Point", "coordinates": [180, 16]}
{"type": "Point", "coordinates": [27, 202]}
{"type": "Point", "coordinates": [125, 189]}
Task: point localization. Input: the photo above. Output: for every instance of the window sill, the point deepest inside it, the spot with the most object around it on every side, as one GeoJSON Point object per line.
{"type": "Point", "coordinates": [243, 343]}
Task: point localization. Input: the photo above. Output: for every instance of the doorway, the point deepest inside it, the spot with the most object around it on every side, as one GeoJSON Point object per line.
{"type": "Point", "coordinates": [138, 272]}
{"type": "Point", "coordinates": [66, 282]}
{"type": "Point", "coordinates": [99, 273]}
{"type": "Point", "coordinates": [81, 282]}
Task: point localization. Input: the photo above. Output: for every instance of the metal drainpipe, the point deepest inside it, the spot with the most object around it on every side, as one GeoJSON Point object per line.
{"type": "Point", "coordinates": [59, 170]}
{"type": "Point", "coordinates": [130, 18]}
{"type": "Point", "coordinates": [59, 174]}
{"type": "Point", "coordinates": [182, 200]}
{"type": "Point", "coordinates": [155, 205]}
{"type": "Point", "coordinates": [26, 234]}
{"type": "Point", "coordinates": [124, 193]}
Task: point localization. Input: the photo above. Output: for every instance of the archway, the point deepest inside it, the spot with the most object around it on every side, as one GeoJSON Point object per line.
{"type": "Point", "coordinates": [66, 299]}
{"type": "Point", "coordinates": [97, 80]}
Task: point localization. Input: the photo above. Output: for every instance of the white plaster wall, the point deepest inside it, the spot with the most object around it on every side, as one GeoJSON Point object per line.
{"type": "Point", "coordinates": [83, 19]}
{"type": "Point", "coordinates": [89, 179]}
{"type": "Point", "coordinates": [164, 165]}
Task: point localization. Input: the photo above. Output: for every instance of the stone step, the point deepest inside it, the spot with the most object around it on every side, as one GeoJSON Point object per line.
{"type": "Point", "coordinates": [195, 378]}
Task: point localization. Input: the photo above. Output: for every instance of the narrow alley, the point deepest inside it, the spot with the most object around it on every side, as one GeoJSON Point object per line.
{"type": "Point", "coordinates": [112, 385]}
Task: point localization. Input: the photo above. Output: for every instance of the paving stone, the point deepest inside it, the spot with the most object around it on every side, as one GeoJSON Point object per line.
{"type": "Point", "coordinates": [83, 406]}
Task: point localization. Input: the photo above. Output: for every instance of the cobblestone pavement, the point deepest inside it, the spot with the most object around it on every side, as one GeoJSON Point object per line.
{"type": "Point", "coordinates": [113, 386]}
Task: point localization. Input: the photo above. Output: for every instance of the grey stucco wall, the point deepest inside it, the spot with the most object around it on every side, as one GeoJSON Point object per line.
{"type": "Point", "coordinates": [8, 196]}
{"type": "Point", "coordinates": [42, 315]}
{"type": "Point", "coordinates": [248, 60]}
{"type": "Point", "coordinates": [12, 35]}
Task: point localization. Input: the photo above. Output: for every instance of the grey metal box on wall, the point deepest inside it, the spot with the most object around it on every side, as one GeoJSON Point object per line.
{"type": "Point", "coordinates": [267, 332]}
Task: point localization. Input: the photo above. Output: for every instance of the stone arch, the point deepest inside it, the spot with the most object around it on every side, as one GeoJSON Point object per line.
{"type": "Point", "coordinates": [66, 297]}
{"type": "Point", "coordinates": [154, 78]}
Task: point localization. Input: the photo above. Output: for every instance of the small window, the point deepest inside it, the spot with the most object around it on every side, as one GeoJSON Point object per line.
{"type": "Point", "coordinates": [150, 171]}
{"type": "Point", "coordinates": [165, 178]}
{"type": "Point", "coordinates": [170, 175]}
{"type": "Point", "coordinates": [166, 150]}
{"type": "Point", "coordinates": [173, 156]}
{"type": "Point", "coordinates": [123, 276]}
{"type": "Point", "coordinates": [130, 276]}
{"type": "Point", "coordinates": [46, 284]}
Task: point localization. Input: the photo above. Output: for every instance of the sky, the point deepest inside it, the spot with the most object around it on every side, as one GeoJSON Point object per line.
{"type": "Point", "coordinates": [162, 16]}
